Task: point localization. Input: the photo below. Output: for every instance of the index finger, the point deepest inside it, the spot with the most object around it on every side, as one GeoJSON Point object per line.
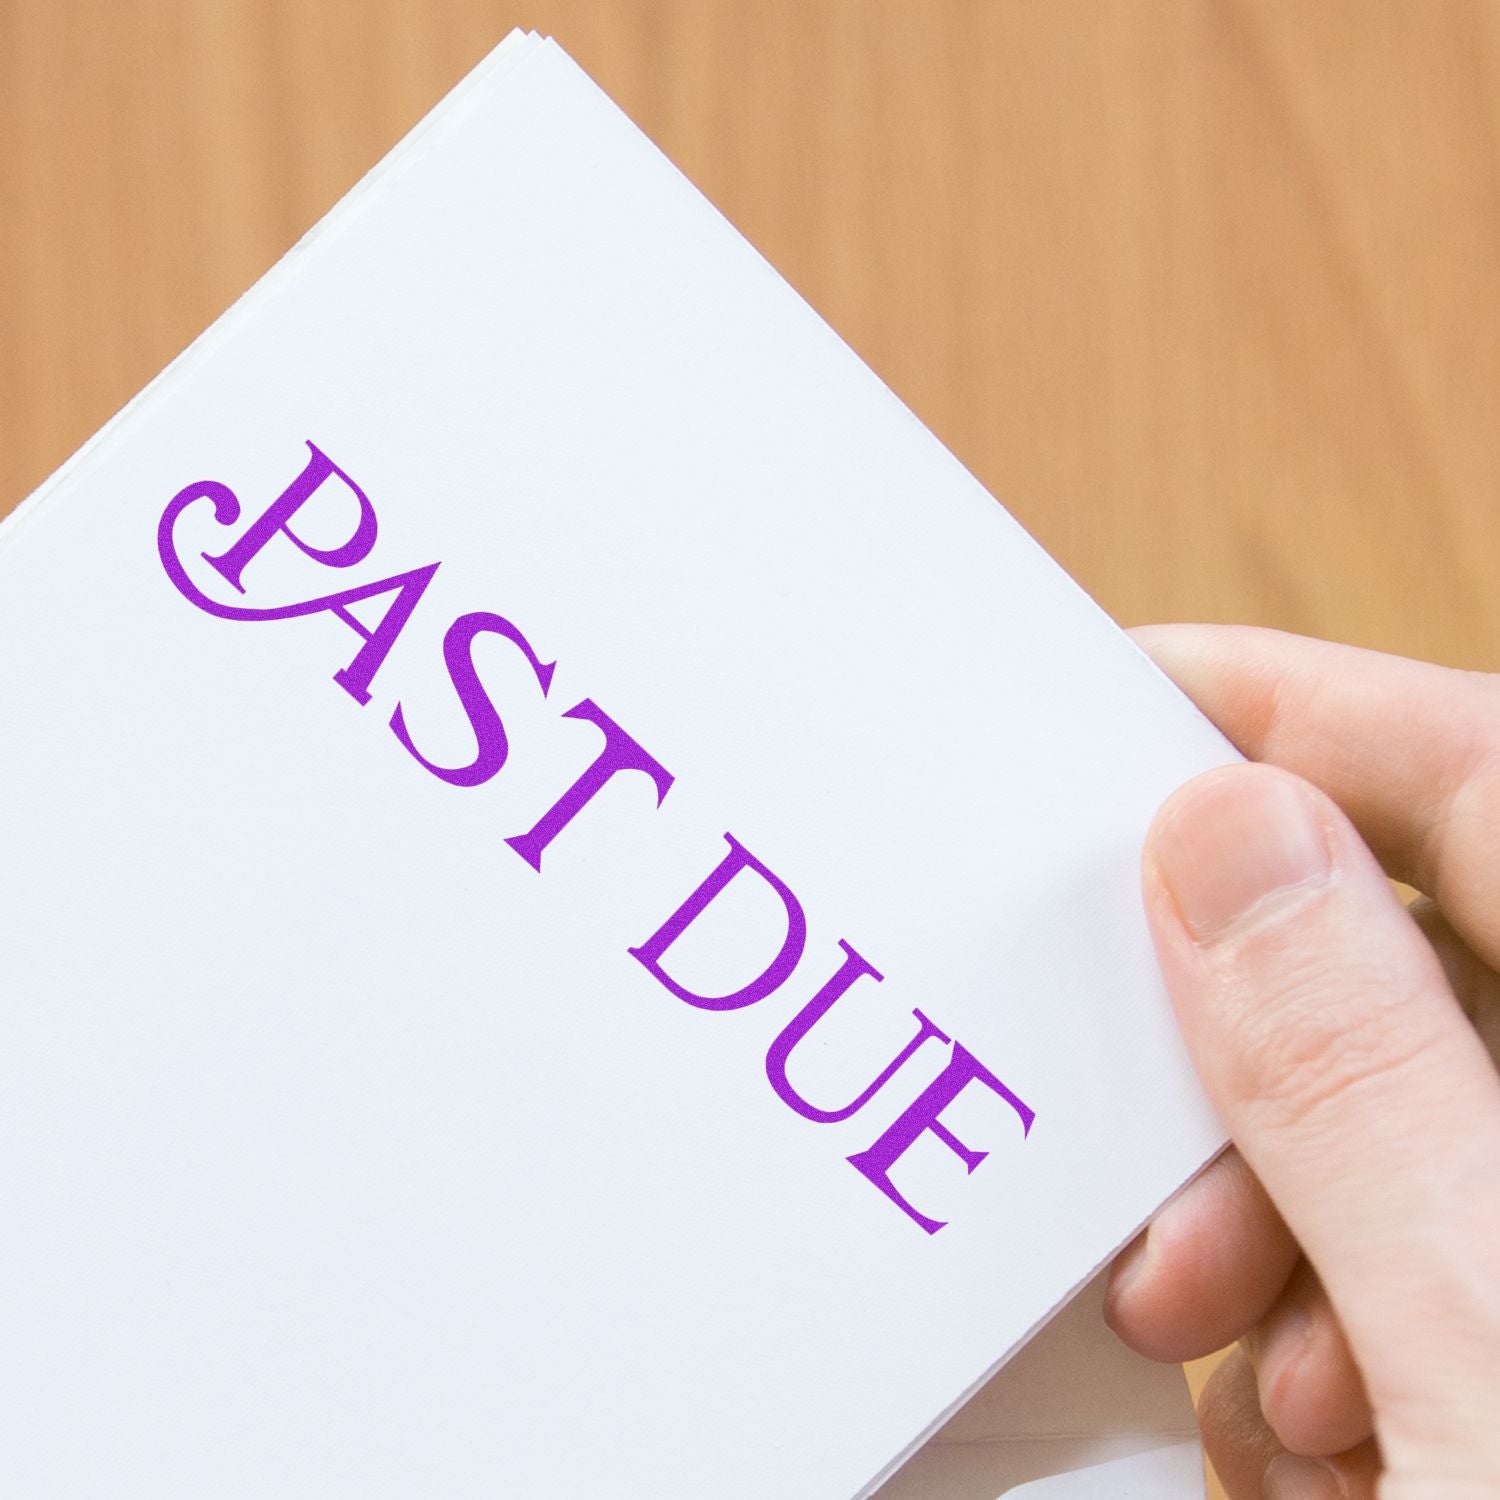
{"type": "Point", "coordinates": [1409, 751]}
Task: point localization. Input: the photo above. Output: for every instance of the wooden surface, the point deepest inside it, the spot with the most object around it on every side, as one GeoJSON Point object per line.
{"type": "Point", "coordinates": [1208, 293]}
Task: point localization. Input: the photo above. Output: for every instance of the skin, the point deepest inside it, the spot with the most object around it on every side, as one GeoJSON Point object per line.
{"type": "Point", "coordinates": [1350, 1238]}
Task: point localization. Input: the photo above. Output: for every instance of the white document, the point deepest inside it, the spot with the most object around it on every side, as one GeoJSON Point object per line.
{"type": "Point", "coordinates": [1074, 1414]}
{"type": "Point", "coordinates": [570, 907]}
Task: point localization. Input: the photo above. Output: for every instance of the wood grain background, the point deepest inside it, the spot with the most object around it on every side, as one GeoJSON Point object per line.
{"type": "Point", "coordinates": [1207, 291]}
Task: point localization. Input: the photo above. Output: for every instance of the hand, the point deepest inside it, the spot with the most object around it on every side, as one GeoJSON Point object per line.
{"type": "Point", "coordinates": [1351, 1237]}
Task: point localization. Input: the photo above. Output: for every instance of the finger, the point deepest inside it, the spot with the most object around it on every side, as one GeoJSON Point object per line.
{"type": "Point", "coordinates": [1410, 751]}
{"type": "Point", "coordinates": [1210, 1266]}
{"type": "Point", "coordinates": [1251, 1462]}
{"type": "Point", "coordinates": [1236, 1438]}
{"type": "Point", "coordinates": [1323, 1029]}
{"type": "Point", "coordinates": [1475, 984]}
{"type": "Point", "coordinates": [1311, 1391]}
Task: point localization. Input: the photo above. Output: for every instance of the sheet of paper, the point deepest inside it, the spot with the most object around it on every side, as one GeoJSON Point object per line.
{"type": "Point", "coordinates": [1174, 1469]}
{"type": "Point", "coordinates": [1074, 1414]}
{"type": "Point", "coordinates": [508, 742]}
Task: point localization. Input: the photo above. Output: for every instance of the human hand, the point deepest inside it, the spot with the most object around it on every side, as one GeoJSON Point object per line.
{"type": "Point", "coordinates": [1351, 1238]}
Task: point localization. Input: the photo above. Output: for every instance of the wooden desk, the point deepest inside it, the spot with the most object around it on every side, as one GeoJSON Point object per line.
{"type": "Point", "coordinates": [1208, 291]}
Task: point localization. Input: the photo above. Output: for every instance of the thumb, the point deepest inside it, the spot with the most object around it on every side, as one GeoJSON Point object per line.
{"type": "Point", "coordinates": [1327, 1037]}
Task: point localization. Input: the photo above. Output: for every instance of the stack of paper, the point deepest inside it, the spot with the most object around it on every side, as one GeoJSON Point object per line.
{"type": "Point", "coordinates": [569, 911]}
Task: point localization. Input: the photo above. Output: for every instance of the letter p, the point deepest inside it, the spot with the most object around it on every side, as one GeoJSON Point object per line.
{"type": "Point", "coordinates": [320, 467]}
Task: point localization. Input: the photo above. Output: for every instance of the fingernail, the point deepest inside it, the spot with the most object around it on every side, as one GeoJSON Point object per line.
{"type": "Point", "coordinates": [1276, 1347]}
{"type": "Point", "coordinates": [1288, 1477]}
{"type": "Point", "coordinates": [1233, 844]}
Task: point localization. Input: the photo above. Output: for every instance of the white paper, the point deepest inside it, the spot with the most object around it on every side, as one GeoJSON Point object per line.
{"type": "Point", "coordinates": [1174, 1469]}
{"type": "Point", "coordinates": [346, 1154]}
{"type": "Point", "coordinates": [1074, 1414]}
